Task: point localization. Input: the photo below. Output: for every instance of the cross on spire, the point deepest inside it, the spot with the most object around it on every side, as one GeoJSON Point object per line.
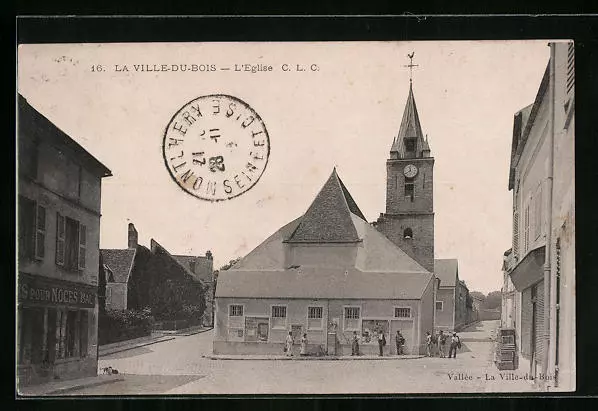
{"type": "Point", "coordinates": [411, 65]}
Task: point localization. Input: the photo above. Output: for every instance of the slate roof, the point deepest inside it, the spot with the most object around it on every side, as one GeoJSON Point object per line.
{"type": "Point", "coordinates": [120, 262]}
{"type": "Point", "coordinates": [447, 270]}
{"type": "Point", "coordinates": [157, 247]}
{"type": "Point", "coordinates": [380, 270]}
{"type": "Point", "coordinates": [328, 218]}
{"type": "Point", "coordinates": [410, 127]}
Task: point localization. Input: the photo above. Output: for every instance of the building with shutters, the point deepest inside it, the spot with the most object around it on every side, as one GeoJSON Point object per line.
{"type": "Point", "coordinates": [59, 191]}
{"type": "Point", "coordinates": [541, 265]}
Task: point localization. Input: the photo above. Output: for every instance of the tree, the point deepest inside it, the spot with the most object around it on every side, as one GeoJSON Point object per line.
{"type": "Point", "coordinates": [493, 300]}
{"type": "Point", "coordinates": [478, 294]}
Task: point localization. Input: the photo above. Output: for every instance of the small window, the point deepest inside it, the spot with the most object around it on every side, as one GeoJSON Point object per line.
{"type": "Point", "coordinates": [439, 305]}
{"type": "Point", "coordinates": [279, 316]}
{"type": "Point", "coordinates": [409, 190]}
{"type": "Point", "coordinates": [408, 234]}
{"type": "Point", "coordinates": [352, 315]}
{"type": "Point", "coordinates": [402, 312]}
{"type": "Point", "coordinates": [410, 145]}
{"type": "Point", "coordinates": [314, 317]}
{"type": "Point", "coordinates": [235, 311]}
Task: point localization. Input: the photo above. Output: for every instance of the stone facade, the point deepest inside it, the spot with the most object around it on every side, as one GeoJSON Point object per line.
{"type": "Point", "coordinates": [59, 190]}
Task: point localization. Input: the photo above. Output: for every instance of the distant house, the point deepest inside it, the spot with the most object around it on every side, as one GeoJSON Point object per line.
{"type": "Point", "coordinates": [202, 268]}
{"type": "Point", "coordinates": [452, 308]}
{"type": "Point", "coordinates": [136, 276]}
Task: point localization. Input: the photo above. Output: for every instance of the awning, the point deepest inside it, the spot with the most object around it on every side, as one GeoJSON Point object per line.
{"type": "Point", "coordinates": [530, 270]}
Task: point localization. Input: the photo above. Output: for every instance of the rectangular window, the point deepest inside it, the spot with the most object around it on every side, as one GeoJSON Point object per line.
{"type": "Point", "coordinates": [235, 311]}
{"type": "Point", "coordinates": [235, 318]}
{"type": "Point", "coordinates": [409, 189]}
{"type": "Point", "coordinates": [71, 243]}
{"type": "Point", "coordinates": [439, 305]}
{"type": "Point", "coordinates": [82, 246]}
{"type": "Point", "coordinates": [60, 238]}
{"type": "Point", "coordinates": [570, 67]}
{"type": "Point", "coordinates": [108, 295]}
{"type": "Point", "coordinates": [279, 316]}
{"type": "Point", "coordinates": [40, 233]}
{"type": "Point", "coordinates": [314, 318]}
{"type": "Point", "coordinates": [27, 228]}
{"type": "Point", "coordinates": [352, 316]}
{"type": "Point", "coordinates": [402, 312]}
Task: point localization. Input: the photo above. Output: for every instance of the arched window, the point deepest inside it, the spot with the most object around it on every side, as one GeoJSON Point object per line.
{"type": "Point", "coordinates": [408, 234]}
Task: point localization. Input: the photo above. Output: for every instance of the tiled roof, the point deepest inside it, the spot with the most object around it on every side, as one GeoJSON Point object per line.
{"type": "Point", "coordinates": [328, 218]}
{"type": "Point", "coordinates": [200, 267]}
{"type": "Point", "coordinates": [314, 283]}
{"type": "Point", "coordinates": [447, 270]}
{"type": "Point", "coordinates": [120, 262]}
{"type": "Point", "coordinates": [157, 247]}
{"type": "Point", "coordinates": [410, 127]}
{"type": "Point", "coordinates": [379, 270]}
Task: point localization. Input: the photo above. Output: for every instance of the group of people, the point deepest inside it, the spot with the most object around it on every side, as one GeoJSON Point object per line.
{"type": "Point", "coordinates": [399, 343]}
{"type": "Point", "coordinates": [438, 343]}
{"type": "Point", "coordinates": [288, 346]}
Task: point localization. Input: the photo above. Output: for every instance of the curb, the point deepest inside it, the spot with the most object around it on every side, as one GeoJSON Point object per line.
{"type": "Point", "coordinates": [136, 346]}
{"type": "Point", "coordinates": [81, 386]}
{"type": "Point", "coordinates": [242, 358]}
{"type": "Point", "coordinates": [192, 333]}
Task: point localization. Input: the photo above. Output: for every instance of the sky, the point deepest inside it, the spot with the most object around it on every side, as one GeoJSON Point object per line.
{"type": "Point", "coordinates": [343, 110]}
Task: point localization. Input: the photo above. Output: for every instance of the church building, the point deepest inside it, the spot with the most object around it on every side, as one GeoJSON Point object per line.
{"type": "Point", "coordinates": [330, 273]}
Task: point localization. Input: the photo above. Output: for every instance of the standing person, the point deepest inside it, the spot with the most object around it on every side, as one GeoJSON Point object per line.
{"type": "Point", "coordinates": [355, 344]}
{"type": "Point", "coordinates": [381, 342]}
{"type": "Point", "coordinates": [303, 350]}
{"type": "Point", "coordinates": [455, 343]}
{"type": "Point", "coordinates": [428, 344]}
{"type": "Point", "coordinates": [442, 344]}
{"type": "Point", "coordinates": [289, 344]}
{"type": "Point", "coordinates": [400, 342]}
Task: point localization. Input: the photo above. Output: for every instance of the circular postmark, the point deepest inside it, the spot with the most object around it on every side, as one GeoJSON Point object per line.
{"type": "Point", "coordinates": [216, 147]}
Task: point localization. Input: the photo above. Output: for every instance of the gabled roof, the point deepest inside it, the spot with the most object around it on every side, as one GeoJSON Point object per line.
{"type": "Point", "coordinates": [377, 268]}
{"type": "Point", "coordinates": [156, 247]}
{"type": "Point", "coordinates": [328, 218]}
{"type": "Point", "coordinates": [447, 270]}
{"type": "Point", "coordinates": [120, 262]}
{"type": "Point", "coordinates": [201, 267]}
{"type": "Point", "coordinates": [410, 127]}
{"type": "Point", "coordinates": [34, 124]}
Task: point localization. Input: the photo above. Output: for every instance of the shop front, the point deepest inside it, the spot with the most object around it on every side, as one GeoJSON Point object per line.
{"type": "Point", "coordinates": [56, 330]}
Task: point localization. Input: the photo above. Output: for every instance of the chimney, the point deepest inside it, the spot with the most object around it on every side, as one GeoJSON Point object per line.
{"type": "Point", "coordinates": [209, 255]}
{"type": "Point", "coordinates": [132, 236]}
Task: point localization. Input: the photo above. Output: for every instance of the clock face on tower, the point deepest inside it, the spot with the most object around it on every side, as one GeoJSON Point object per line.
{"type": "Point", "coordinates": [410, 171]}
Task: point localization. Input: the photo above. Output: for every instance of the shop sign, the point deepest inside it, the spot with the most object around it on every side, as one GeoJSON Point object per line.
{"type": "Point", "coordinates": [47, 292]}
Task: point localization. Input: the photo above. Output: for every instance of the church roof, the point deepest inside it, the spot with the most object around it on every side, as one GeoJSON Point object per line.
{"type": "Point", "coordinates": [447, 270]}
{"type": "Point", "coordinates": [328, 218]}
{"type": "Point", "coordinates": [410, 127]}
{"type": "Point", "coordinates": [379, 269]}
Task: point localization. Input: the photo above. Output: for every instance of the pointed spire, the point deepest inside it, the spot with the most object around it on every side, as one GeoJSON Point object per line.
{"type": "Point", "coordinates": [410, 128]}
{"type": "Point", "coordinates": [328, 218]}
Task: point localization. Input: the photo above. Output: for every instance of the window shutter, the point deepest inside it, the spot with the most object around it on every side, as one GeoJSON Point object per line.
{"type": "Point", "coordinates": [40, 232]}
{"type": "Point", "coordinates": [82, 245]}
{"type": "Point", "coordinates": [570, 68]}
{"type": "Point", "coordinates": [516, 234]}
{"type": "Point", "coordinates": [60, 238]}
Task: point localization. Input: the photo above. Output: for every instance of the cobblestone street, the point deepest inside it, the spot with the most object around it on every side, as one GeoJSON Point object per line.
{"type": "Point", "coordinates": [178, 367]}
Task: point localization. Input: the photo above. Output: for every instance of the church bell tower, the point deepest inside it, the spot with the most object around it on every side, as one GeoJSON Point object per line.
{"type": "Point", "coordinates": [409, 218]}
